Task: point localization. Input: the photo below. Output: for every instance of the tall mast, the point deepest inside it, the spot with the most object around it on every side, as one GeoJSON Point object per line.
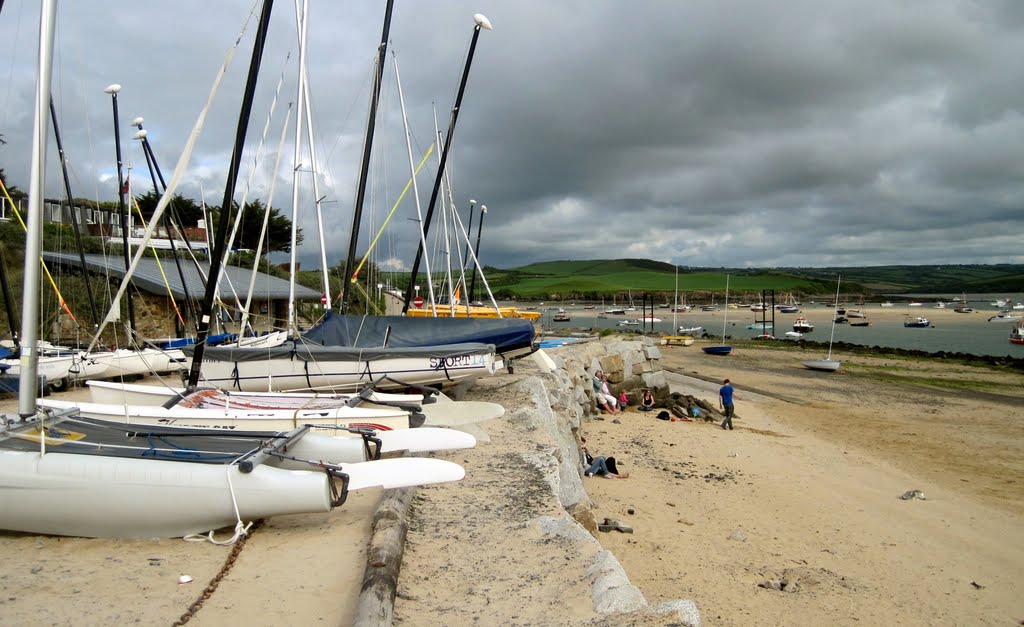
{"type": "Point", "coordinates": [74, 215]}
{"type": "Point", "coordinates": [122, 208]}
{"type": "Point", "coordinates": [154, 172]}
{"type": "Point", "coordinates": [296, 164]}
{"type": "Point", "coordinates": [34, 218]}
{"type": "Point", "coordinates": [481, 22]}
{"type": "Point", "coordinates": [219, 242]}
{"type": "Point", "coordinates": [476, 254]}
{"type": "Point", "coordinates": [371, 123]}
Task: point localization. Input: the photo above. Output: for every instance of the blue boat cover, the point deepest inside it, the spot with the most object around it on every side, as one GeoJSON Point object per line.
{"type": "Point", "coordinates": [508, 335]}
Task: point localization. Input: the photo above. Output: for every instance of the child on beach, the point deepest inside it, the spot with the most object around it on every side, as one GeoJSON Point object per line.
{"type": "Point", "coordinates": [600, 465]}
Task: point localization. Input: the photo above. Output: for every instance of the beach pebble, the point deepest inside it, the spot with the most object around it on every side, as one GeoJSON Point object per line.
{"type": "Point", "coordinates": [912, 494]}
{"type": "Point", "coordinates": [738, 535]}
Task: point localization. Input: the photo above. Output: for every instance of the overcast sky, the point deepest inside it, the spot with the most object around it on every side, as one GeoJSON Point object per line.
{"type": "Point", "coordinates": [703, 133]}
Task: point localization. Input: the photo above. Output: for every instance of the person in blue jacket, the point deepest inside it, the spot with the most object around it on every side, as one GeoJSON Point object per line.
{"type": "Point", "coordinates": [725, 403]}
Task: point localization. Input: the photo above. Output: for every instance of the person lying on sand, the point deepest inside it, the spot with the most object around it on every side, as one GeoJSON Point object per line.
{"type": "Point", "coordinates": [601, 466]}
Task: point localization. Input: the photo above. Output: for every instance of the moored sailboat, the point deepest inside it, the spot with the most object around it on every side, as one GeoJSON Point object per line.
{"type": "Point", "coordinates": [827, 364]}
{"type": "Point", "coordinates": [723, 348]}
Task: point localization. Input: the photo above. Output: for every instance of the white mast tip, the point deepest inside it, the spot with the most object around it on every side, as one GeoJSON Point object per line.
{"type": "Point", "coordinates": [140, 134]}
{"type": "Point", "coordinates": [482, 21]}
{"type": "Point", "coordinates": [112, 89]}
{"type": "Point", "coordinates": [483, 208]}
{"type": "Point", "coordinates": [137, 121]}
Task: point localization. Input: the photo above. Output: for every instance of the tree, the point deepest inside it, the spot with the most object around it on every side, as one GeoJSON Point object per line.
{"type": "Point", "coordinates": [12, 190]}
{"type": "Point", "coordinates": [279, 228]}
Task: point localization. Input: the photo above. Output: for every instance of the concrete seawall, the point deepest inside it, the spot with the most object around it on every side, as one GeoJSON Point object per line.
{"type": "Point", "coordinates": [524, 492]}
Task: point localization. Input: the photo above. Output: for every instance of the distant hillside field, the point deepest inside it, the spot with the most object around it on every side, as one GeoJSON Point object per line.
{"type": "Point", "coordinates": [612, 278]}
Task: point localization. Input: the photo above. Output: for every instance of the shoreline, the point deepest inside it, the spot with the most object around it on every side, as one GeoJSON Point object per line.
{"type": "Point", "coordinates": [805, 492]}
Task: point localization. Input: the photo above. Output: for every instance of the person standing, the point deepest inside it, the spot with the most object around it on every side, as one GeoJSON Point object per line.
{"type": "Point", "coordinates": [725, 403]}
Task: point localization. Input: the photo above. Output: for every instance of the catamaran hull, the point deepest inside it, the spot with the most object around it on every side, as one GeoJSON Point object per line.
{"type": "Point", "coordinates": [115, 392]}
{"type": "Point", "coordinates": [824, 365]}
{"type": "Point", "coordinates": [331, 421]}
{"type": "Point", "coordinates": [283, 369]}
{"type": "Point", "coordinates": [103, 497]}
{"type": "Point", "coordinates": [123, 363]}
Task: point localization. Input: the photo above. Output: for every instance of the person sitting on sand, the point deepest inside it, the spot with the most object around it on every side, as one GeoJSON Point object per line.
{"type": "Point", "coordinates": [601, 466]}
{"type": "Point", "coordinates": [647, 401]}
{"type": "Point", "coordinates": [605, 399]}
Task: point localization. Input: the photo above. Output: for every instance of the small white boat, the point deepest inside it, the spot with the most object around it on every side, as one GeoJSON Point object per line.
{"type": "Point", "coordinates": [1017, 333]}
{"type": "Point", "coordinates": [320, 368]}
{"type": "Point", "coordinates": [1006, 316]}
{"type": "Point", "coordinates": [760, 325]}
{"type": "Point", "coordinates": [802, 325]}
{"type": "Point", "coordinates": [855, 313]}
{"type": "Point", "coordinates": [440, 412]}
{"type": "Point", "coordinates": [887, 304]}
{"type": "Point", "coordinates": [825, 365]}
{"type": "Point", "coordinates": [796, 335]}
{"type": "Point", "coordinates": [690, 330]}
{"type": "Point", "coordinates": [650, 319]}
{"type": "Point", "coordinates": [914, 304]}
{"type": "Point", "coordinates": [629, 323]}
{"type": "Point", "coordinates": [919, 322]}
{"type": "Point", "coordinates": [939, 305]}
{"type": "Point", "coordinates": [331, 421]}
{"type": "Point", "coordinates": [114, 392]}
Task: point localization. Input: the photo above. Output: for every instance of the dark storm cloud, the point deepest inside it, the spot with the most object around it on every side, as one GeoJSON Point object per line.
{"type": "Point", "coordinates": [702, 133]}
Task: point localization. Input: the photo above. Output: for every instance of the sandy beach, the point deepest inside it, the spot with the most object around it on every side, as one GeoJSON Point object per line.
{"type": "Point", "coordinates": [805, 491]}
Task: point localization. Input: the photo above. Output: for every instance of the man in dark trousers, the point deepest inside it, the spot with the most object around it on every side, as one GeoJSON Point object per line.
{"type": "Point", "coordinates": [725, 404]}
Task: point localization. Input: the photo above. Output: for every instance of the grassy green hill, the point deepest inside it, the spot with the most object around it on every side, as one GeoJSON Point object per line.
{"type": "Point", "coordinates": [620, 278]}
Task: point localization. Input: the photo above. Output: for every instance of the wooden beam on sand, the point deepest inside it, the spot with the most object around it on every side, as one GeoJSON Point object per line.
{"type": "Point", "coordinates": [376, 606]}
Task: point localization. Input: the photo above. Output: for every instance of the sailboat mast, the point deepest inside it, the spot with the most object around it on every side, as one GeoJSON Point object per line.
{"type": "Point", "coordinates": [725, 315]}
{"type": "Point", "coordinates": [34, 217]}
{"type": "Point", "coordinates": [481, 22]}
{"type": "Point", "coordinates": [217, 255]}
{"type": "Point", "coordinates": [371, 123]}
{"type": "Point", "coordinates": [476, 254]}
{"type": "Point", "coordinates": [122, 208]}
{"type": "Point", "coordinates": [74, 215]}
{"type": "Point", "coordinates": [675, 303]}
{"type": "Point", "coordinates": [835, 307]}
{"type": "Point", "coordinates": [296, 164]}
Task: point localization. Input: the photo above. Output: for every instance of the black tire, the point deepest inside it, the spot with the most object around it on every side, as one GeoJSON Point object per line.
{"type": "Point", "coordinates": [60, 385]}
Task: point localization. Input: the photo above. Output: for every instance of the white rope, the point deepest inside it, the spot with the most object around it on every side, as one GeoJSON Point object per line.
{"type": "Point", "coordinates": [241, 528]}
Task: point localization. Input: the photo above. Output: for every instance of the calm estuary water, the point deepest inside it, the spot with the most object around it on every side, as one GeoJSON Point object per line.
{"type": "Point", "coordinates": [949, 331]}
